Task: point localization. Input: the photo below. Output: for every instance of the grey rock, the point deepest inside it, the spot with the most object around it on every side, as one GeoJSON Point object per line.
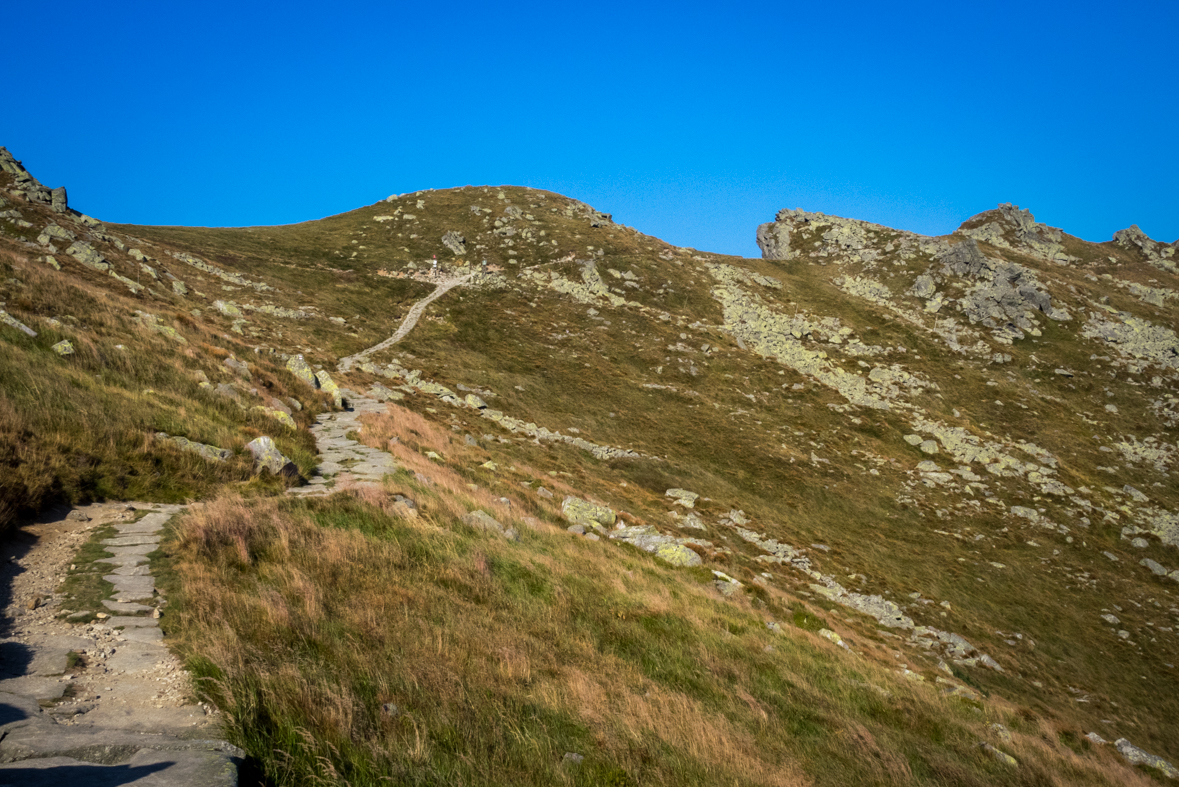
{"type": "Point", "coordinates": [1136, 756]}
{"type": "Point", "coordinates": [455, 242]}
{"type": "Point", "coordinates": [11, 321]}
{"type": "Point", "coordinates": [1154, 567]}
{"type": "Point", "coordinates": [58, 200]}
{"type": "Point", "coordinates": [84, 253]}
{"type": "Point", "coordinates": [268, 457]}
{"type": "Point", "coordinates": [481, 520]}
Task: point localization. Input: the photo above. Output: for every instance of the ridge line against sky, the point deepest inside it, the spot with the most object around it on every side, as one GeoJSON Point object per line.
{"type": "Point", "coordinates": [689, 122]}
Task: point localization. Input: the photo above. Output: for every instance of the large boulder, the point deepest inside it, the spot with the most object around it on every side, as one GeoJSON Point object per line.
{"type": "Point", "coordinates": [268, 457]}
{"type": "Point", "coordinates": [328, 384]}
{"type": "Point", "coordinates": [301, 369]}
{"type": "Point", "coordinates": [590, 515]}
{"type": "Point", "coordinates": [455, 242]}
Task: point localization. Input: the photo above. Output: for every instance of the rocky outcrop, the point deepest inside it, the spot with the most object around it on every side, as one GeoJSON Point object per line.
{"type": "Point", "coordinates": [84, 253]}
{"type": "Point", "coordinates": [23, 181]}
{"type": "Point", "coordinates": [1009, 227]}
{"type": "Point", "coordinates": [1160, 255]}
{"type": "Point", "coordinates": [825, 235]}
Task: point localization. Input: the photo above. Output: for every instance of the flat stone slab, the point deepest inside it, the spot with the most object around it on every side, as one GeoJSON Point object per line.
{"type": "Point", "coordinates": [145, 769]}
{"type": "Point", "coordinates": [123, 560]}
{"type": "Point", "coordinates": [132, 657]}
{"type": "Point", "coordinates": [126, 608]}
{"type": "Point", "coordinates": [135, 570]}
{"type": "Point", "coordinates": [144, 634]}
{"type": "Point", "coordinates": [36, 688]}
{"type": "Point", "coordinates": [140, 550]}
{"type": "Point", "coordinates": [128, 622]}
{"type": "Point", "coordinates": [48, 653]}
{"type": "Point", "coordinates": [181, 722]}
{"type": "Point", "coordinates": [127, 528]}
{"type": "Point", "coordinates": [123, 583]}
{"type": "Point", "coordinates": [98, 745]}
{"type": "Point", "coordinates": [130, 541]}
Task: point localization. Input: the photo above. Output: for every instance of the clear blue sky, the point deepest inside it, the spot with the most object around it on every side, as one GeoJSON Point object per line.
{"type": "Point", "coordinates": [691, 122]}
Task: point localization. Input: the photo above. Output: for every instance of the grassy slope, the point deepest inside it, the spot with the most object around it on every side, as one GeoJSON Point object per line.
{"type": "Point", "coordinates": [740, 434]}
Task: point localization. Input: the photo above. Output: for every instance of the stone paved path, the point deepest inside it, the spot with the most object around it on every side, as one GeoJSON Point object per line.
{"type": "Point", "coordinates": [343, 461]}
{"type": "Point", "coordinates": [120, 715]}
{"type": "Point", "coordinates": [407, 324]}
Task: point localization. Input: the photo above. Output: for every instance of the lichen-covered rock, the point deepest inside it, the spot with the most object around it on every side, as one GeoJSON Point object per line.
{"type": "Point", "coordinates": [52, 232]}
{"type": "Point", "coordinates": [481, 520]}
{"type": "Point", "coordinates": [383, 394]}
{"type": "Point", "coordinates": [1000, 756]}
{"type": "Point", "coordinates": [591, 515]}
{"type": "Point", "coordinates": [268, 457]}
{"type": "Point", "coordinates": [283, 418]}
{"type": "Point", "coordinates": [682, 497]}
{"type": "Point", "coordinates": [664, 547]}
{"type": "Point", "coordinates": [84, 253]}
{"type": "Point", "coordinates": [455, 242]}
{"type": "Point", "coordinates": [1011, 228]}
{"type": "Point", "coordinates": [326, 383]}
{"type": "Point", "coordinates": [1161, 255]}
{"type": "Point", "coordinates": [240, 368]}
{"type": "Point", "coordinates": [228, 308]}
{"type": "Point", "coordinates": [9, 320]}
{"type": "Point", "coordinates": [677, 555]}
{"type": "Point", "coordinates": [301, 369]}
{"type": "Point", "coordinates": [210, 452]}
{"type": "Point", "coordinates": [475, 402]}
{"type": "Point", "coordinates": [64, 347]}
{"type": "Point", "coordinates": [1136, 756]}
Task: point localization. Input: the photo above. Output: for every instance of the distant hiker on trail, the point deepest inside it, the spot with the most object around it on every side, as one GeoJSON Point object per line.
{"type": "Point", "coordinates": [434, 270]}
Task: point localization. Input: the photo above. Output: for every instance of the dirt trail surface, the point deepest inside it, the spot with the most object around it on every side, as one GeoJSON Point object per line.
{"type": "Point", "coordinates": [344, 462]}
{"type": "Point", "coordinates": [101, 702]}
{"type": "Point", "coordinates": [407, 324]}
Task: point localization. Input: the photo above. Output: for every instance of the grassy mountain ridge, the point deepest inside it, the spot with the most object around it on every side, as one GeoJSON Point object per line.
{"type": "Point", "coordinates": [906, 439]}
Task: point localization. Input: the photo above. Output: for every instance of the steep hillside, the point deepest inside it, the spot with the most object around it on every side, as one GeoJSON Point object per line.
{"type": "Point", "coordinates": [953, 457]}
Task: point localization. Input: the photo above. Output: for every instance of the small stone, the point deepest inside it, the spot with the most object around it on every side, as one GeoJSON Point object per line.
{"type": "Point", "coordinates": [913, 439]}
{"type": "Point", "coordinates": [1001, 756]}
{"type": "Point", "coordinates": [1154, 567]}
{"type": "Point", "coordinates": [572, 759]}
{"type": "Point", "coordinates": [64, 347]}
{"type": "Point", "coordinates": [928, 446]}
{"type": "Point", "coordinates": [1140, 543]}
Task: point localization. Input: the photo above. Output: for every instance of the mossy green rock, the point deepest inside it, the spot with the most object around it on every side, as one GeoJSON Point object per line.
{"type": "Point", "coordinates": [582, 512]}
{"type": "Point", "coordinates": [328, 384]}
{"type": "Point", "coordinates": [268, 457]}
{"type": "Point", "coordinates": [301, 369]}
{"type": "Point", "coordinates": [677, 555]}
